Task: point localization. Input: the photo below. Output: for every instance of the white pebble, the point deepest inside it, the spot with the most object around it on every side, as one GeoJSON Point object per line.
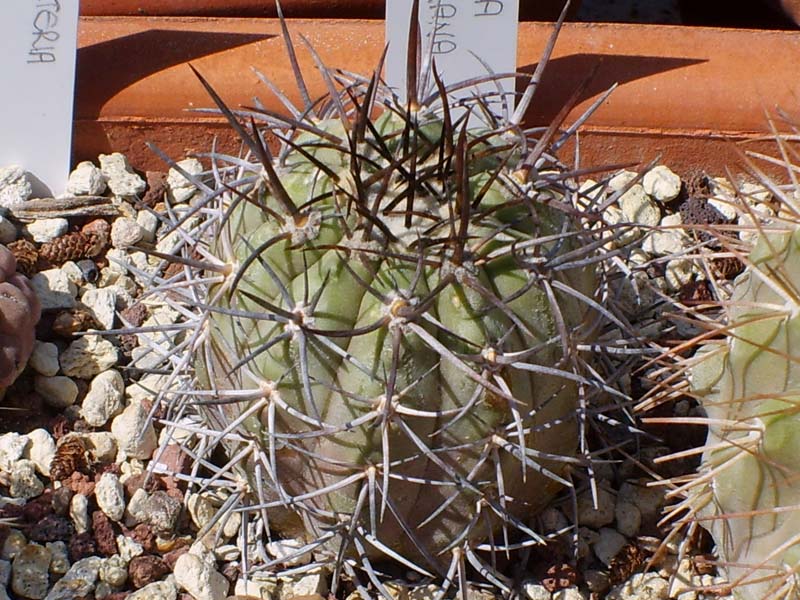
{"type": "Point", "coordinates": [158, 590]}
{"type": "Point", "coordinates": [41, 450]}
{"type": "Point", "coordinates": [103, 305]}
{"type": "Point", "coordinates": [669, 238]}
{"type": "Point", "coordinates": [283, 549]}
{"type": "Point", "coordinates": [662, 184]}
{"type": "Point", "coordinates": [104, 400]}
{"type": "Point", "coordinates": [134, 432]}
{"type": "Point", "coordinates": [639, 208]}
{"type": "Point", "coordinates": [122, 181]}
{"type": "Point", "coordinates": [642, 586]}
{"type": "Point", "coordinates": [58, 391]}
{"type": "Point", "coordinates": [307, 584]}
{"type": "Point", "coordinates": [200, 579]}
{"type": "Point", "coordinates": [128, 548]}
{"type": "Point", "coordinates": [181, 188]}
{"type": "Point", "coordinates": [570, 593]}
{"type": "Point", "coordinates": [14, 186]}
{"type": "Point", "coordinates": [679, 272]}
{"type": "Point", "coordinates": [54, 289]}
{"type": "Point", "coordinates": [23, 482]}
{"type": "Point", "coordinates": [125, 233]}
{"type": "Point", "coordinates": [12, 447]}
{"type": "Point", "coordinates": [257, 587]}
{"type": "Point", "coordinates": [87, 356]}
{"type": "Point", "coordinates": [86, 180]}
{"type": "Point", "coordinates": [30, 572]}
{"type": "Point", "coordinates": [535, 591]}
{"type": "Point", "coordinates": [101, 445]}
{"type": "Point", "coordinates": [110, 497]}
{"type": "Point", "coordinates": [725, 207]}
{"type": "Point", "coordinates": [148, 221]}
{"type": "Point", "coordinates": [621, 179]}
{"type": "Point", "coordinates": [44, 358]}
{"type": "Point", "coordinates": [46, 230]}
{"type": "Point", "coordinates": [79, 513]}
{"type": "Point", "coordinates": [73, 273]}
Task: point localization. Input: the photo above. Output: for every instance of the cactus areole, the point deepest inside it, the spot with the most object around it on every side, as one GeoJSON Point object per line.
{"type": "Point", "coordinates": [393, 311]}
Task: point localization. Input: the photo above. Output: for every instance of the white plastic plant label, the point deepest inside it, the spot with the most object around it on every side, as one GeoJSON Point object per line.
{"type": "Point", "coordinates": [38, 42]}
{"type": "Point", "coordinates": [465, 39]}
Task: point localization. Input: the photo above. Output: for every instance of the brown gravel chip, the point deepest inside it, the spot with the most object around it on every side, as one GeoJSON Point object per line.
{"type": "Point", "coordinates": [73, 320]}
{"type": "Point", "coordinates": [172, 556]}
{"type": "Point", "coordinates": [146, 569]}
{"type": "Point", "coordinates": [156, 188]}
{"type": "Point", "coordinates": [142, 481]}
{"type": "Point", "coordinates": [105, 538]}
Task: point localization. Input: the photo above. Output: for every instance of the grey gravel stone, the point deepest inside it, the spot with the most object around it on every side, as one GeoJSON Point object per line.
{"type": "Point", "coordinates": [59, 561]}
{"type": "Point", "coordinates": [8, 231]}
{"type": "Point", "coordinates": [54, 289]}
{"type": "Point", "coordinates": [608, 544]}
{"type": "Point", "coordinates": [59, 391]}
{"type": "Point", "coordinates": [23, 482]}
{"type": "Point", "coordinates": [44, 358]}
{"type": "Point", "coordinates": [596, 517]}
{"type": "Point", "coordinates": [30, 572]}
{"type": "Point", "coordinates": [79, 580]}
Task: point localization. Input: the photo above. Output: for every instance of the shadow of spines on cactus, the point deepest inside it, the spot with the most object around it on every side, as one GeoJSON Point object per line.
{"type": "Point", "coordinates": [742, 370]}
{"type": "Point", "coordinates": [393, 323]}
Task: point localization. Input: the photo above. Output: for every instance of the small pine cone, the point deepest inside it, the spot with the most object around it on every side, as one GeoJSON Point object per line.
{"type": "Point", "coordinates": [727, 267]}
{"type": "Point", "coordinates": [70, 456]}
{"type": "Point", "coordinates": [27, 256]}
{"type": "Point", "coordinates": [86, 243]}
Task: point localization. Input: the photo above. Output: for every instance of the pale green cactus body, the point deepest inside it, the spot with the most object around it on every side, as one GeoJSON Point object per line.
{"type": "Point", "coordinates": [749, 386]}
{"type": "Point", "coordinates": [393, 318]}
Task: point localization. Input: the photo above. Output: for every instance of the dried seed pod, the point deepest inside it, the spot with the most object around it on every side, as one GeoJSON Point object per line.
{"type": "Point", "coordinates": [90, 241]}
{"type": "Point", "coordinates": [27, 256]}
{"type": "Point", "coordinates": [70, 456]}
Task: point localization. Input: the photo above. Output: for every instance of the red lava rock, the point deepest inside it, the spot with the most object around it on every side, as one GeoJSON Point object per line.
{"type": "Point", "coordinates": [136, 482]}
{"type": "Point", "coordinates": [146, 569]}
{"type": "Point", "coordinates": [80, 484]}
{"type": "Point", "coordinates": [106, 468]}
{"type": "Point", "coordinates": [156, 187]}
{"type": "Point", "coordinates": [80, 546]}
{"type": "Point", "coordinates": [51, 528]}
{"type": "Point", "coordinates": [171, 557]}
{"type": "Point", "coordinates": [104, 536]}
{"type": "Point", "coordinates": [60, 426]}
{"type": "Point", "coordinates": [38, 508]}
{"type": "Point", "coordinates": [173, 458]}
{"type": "Point", "coordinates": [117, 596]}
{"type": "Point", "coordinates": [143, 535]}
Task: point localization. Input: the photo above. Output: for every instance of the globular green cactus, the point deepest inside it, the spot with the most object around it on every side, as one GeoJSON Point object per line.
{"type": "Point", "coordinates": [393, 315]}
{"type": "Point", "coordinates": [747, 490]}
